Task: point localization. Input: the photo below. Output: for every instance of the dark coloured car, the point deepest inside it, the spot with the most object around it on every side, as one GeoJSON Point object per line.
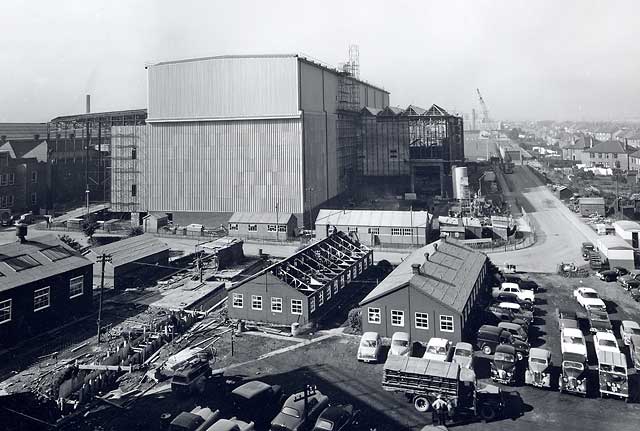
{"type": "Point", "coordinates": [508, 313]}
{"type": "Point", "coordinates": [631, 280]}
{"type": "Point", "coordinates": [513, 298]}
{"type": "Point", "coordinates": [341, 417]}
{"type": "Point", "coordinates": [503, 366]}
{"type": "Point", "coordinates": [599, 321]}
{"type": "Point", "coordinates": [490, 337]}
{"type": "Point", "coordinates": [611, 274]}
{"type": "Point", "coordinates": [587, 248]}
{"type": "Point", "coordinates": [257, 401]}
{"type": "Point", "coordinates": [635, 294]}
{"type": "Point", "coordinates": [493, 315]}
{"type": "Point", "coordinates": [296, 414]}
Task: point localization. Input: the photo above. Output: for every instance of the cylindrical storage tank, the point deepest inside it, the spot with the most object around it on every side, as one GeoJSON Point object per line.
{"type": "Point", "coordinates": [461, 183]}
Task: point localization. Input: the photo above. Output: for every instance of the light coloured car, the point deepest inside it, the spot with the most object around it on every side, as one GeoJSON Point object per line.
{"type": "Point", "coordinates": [437, 349]}
{"type": "Point", "coordinates": [369, 349]}
{"type": "Point", "coordinates": [572, 341]}
{"type": "Point", "coordinates": [463, 355]}
{"type": "Point", "coordinates": [605, 342]}
{"type": "Point", "coordinates": [400, 344]}
{"type": "Point", "coordinates": [522, 294]}
{"type": "Point", "coordinates": [232, 424]}
{"type": "Point", "coordinates": [588, 298]}
{"type": "Point", "coordinates": [627, 329]}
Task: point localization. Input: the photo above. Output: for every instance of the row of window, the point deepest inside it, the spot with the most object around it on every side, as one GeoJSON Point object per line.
{"type": "Point", "coordinates": [276, 303]}
{"type": "Point", "coordinates": [395, 231]}
{"type": "Point", "coordinates": [7, 179]}
{"type": "Point", "coordinates": [7, 201]}
{"type": "Point", "coordinates": [421, 320]}
{"type": "Point", "coordinates": [254, 227]}
{"type": "Point", "coordinates": [600, 155]}
{"type": "Point", "coordinates": [42, 298]}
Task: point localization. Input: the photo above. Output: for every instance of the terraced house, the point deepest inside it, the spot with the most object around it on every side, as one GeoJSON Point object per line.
{"type": "Point", "coordinates": [609, 154]}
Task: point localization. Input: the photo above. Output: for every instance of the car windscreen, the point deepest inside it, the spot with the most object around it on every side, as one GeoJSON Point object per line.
{"type": "Point", "coordinates": [463, 352]}
{"type": "Point", "coordinates": [573, 340]}
{"type": "Point", "coordinates": [607, 343]}
{"type": "Point", "coordinates": [438, 350]}
{"type": "Point", "coordinates": [591, 295]}
{"type": "Point", "coordinates": [400, 343]}
{"type": "Point", "coordinates": [290, 411]}
{"type": "Point", "coordinates": [619, 370]}
{"type": "Point", "coordinates": [504, 357]}
{"type": "Point", "coordinates": [540, 361]}
{"type": "Point", "coordinates": [572, 364]}
{"type": "Point", "coordinates": [323, 424]}
{"type": "Point", "coordinates": [634, 331]}
{"type": "Point", "coordinates": [368, 343]}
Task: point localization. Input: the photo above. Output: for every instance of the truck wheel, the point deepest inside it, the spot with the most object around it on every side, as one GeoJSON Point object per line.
{"type": "Point", "coordinates": [486, 349]}
{"type": "Point", "coordinates": [520, 356]}
{"type": "Point", "coordinates": [488, 413]}
{"type": "Point", "coordinates": [421, 403]}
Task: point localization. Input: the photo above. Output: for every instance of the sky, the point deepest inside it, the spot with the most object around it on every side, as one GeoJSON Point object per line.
{"type": "Point", "coordinates": [532, 60]}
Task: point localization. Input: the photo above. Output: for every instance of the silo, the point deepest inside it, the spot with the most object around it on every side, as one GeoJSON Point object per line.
{"type": "Point", "coordinates": [461, 183]}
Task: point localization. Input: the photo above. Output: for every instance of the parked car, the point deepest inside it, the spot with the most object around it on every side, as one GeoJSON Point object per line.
{"type": "Point", "coordinates": [599, 321]}
{"type": "Point", "coordinates": [588, 298]}
{"type": "Point", "coordinates": [490, 337]}
{"type": "Point", "coordinates": [495, 314]}
{"type": "Point", "coordinates": [635, 293]}
{"type": "Point", "coordinates": [627, 329]}
{"type": "Point", "coordinates": [463, 355]}
{"type": "Point", "coordinates": [513, 298]}
{"type": "Point", "coordinates": [503, 366]}
{"type": "Point", "coordinates": [566, 318]}
{"type": "Point", "coordinates": [233, 424]}
{"type": "Point", "coordinates": [538, 372]}
{"type": "Point", "coordinates": [400, 344]}
{"type": "Point", "coordinates": [369, 349]}
{"type": "Point", "coordinates": [256, 401]}
{"type": "Point", "coordinates": [516, 330]}
{"type": "Point", "coordinates": [294, 417]}
{"type": "Point", "coordinates": [634, 350]}
{"type": "Point", "coordinates": [341, 417]}
{"type": "Point", "coordinates": [572, 341]}
{"type": "Point", "coordinates": [611, 274]}
{"type": "Point", "coordinates": [437, 349]}
{"type": "Point", "coordinates": [525, 295]}
{"type": "Point", "coordinates": [605, 342]}
{"type": "Point", "coordinates": [517, 311]}
{"type": "Point", "coordinates": [198, 419]}
{"type": "Point", "coordinates": [631, 280]}
{"type": "Point", "coordinates": [573, 375]}
{"type": "Point", "coordinates": [587, 248]}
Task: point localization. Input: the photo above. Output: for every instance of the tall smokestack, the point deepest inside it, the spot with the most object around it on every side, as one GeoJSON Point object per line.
{"type": "Point", "coordinates": [88, 104]}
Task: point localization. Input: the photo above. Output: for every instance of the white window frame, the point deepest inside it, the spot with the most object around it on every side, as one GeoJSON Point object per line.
{"type": "Point", "coordinates": [352, 229]}
{"type": "Point", "coordinates": [5, 309]}
{"type": "Point", "coordinates": [396, 314]}
{"type": "Point", "coordinates": [256, 302]}
{"type": "Point", "coordinates": [444, 318]}
{"type": "Point", "coordinates": [421, 317]}
{"type": "Point", "coordinates": [73, 281]}
{"type": "Point", "coordinates": [12, 178]}
{"type": "Point", "coordinates": [252, 228]}
{"type": "Point", "coordinates": [272, 228]}
{"type": "Point", "coordinates": [396, 231]}
{"type": "Point", "coordinates": [45, 292]}
{"type": "Point", "coordinates": [328, 293]}
{"type": "Point", "coordinates": [233, 226]}
{"type": "Point", "coordinates": [335, 287]}
{"type": "Point", "coordinates": [4, 179]}
{"type": "Point", "coordinates": [296, 306]}
{"type": "Point", "coordinates": [374, 230]}
{"type": "Point", "coordinates": [374, 315]}
{"type": "Point", "coordinates": [282, 228]}
{"type": "Point", "coordinates": [407, 231]}
{"type": "Point", "coordinates": [276, 304]}
{"type": "Point", "coordinates": [320, 298]}
{"type": "Point", "coordinates": [237, 300]}
{"type": "Point", "coordinates": [312, 304]}
{"type": "Point", "coordinates": [34, 177]}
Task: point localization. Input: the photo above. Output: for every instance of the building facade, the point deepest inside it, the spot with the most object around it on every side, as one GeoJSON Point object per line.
{"type": "Point", "coordinates": [430, 294]}
{"type": "Point", "coordinates": [609, 154]}
{"type": "Point", "coordinates": [302, 288]}
{"type": "Point", "coordinates": [277, 132]}
{"type": "Point", "coordinates": [589, 206]}
{"type": "Point", "coordinates": [269, 226]}
{"type": "Point", "coordinates": [43, 283]}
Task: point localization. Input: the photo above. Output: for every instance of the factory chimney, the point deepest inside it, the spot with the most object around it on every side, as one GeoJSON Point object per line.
{"type": "Point", "coordinates": [88, 104]}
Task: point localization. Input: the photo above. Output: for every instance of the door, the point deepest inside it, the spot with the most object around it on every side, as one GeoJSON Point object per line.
{"type": "Point", "coordinates": [634, 239]}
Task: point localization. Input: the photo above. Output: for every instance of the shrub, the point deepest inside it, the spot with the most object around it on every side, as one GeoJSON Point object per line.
{"type": "Point", "coordinates": [354, 320]}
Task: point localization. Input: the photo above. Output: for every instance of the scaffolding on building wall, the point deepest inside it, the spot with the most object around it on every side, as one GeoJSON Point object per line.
{"type": "Point", "coordinates": [80, 152]}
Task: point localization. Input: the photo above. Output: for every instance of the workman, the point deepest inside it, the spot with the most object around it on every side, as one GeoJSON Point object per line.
{"type": "Point", "coordinates": [440, 410]}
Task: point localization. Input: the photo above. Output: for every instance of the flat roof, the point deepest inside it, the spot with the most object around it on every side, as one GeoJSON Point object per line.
{"type": "Point", "coordinates": [261, 217]}
{"type": "Point", "coordinates": [613, 242]}
{"type": "Point", "coordinates": [591, 201]}
{"type": "Point", "coordinates": [373, 218]}
{"type": "Point", "coordinates": [38, 258]}
{"type": "Point", "coordinates": [131, 249]}
{"type": "Point", "coordinates": [627, 225]}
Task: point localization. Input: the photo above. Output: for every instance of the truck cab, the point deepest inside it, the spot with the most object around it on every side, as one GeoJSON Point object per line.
{"type": "Point", "coordinates": [257, 401]}
{"type": "Point", "coordinates": [191, 377]}
{"type": "Point", "coordinates": [612, 374]}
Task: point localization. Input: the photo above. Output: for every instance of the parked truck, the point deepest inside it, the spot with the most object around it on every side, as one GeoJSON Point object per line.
{"type": "Point", "coordinates": [422, 381]}
{"type": "Point", "coordinates": [612, 374]}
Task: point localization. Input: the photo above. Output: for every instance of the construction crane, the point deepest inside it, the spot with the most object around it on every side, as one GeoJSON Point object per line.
{"type": "Point", "coordinates": [485, 111]}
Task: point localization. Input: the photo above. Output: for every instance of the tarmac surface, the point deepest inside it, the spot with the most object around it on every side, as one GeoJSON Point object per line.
{"type": "Point", "coordinates": [559, 232]}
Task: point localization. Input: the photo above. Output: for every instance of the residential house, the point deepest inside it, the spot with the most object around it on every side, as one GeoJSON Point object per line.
{"type": "Point", "coordinates": [607, 154]}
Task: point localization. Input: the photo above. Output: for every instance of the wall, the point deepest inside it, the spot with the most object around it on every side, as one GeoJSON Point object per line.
{"type": "Point", "coordinates": [26, 323]}
{"type": "Point", "coordinates": [263, 232]}
{"type": "Point", "coordinates": [224, 87]}
{"type": "Point", "coordinates": [385, 143]}
{"type": "Point", "coordinates": [126, 171]}
{"type": "Point", "coordinates": [400, 300]}
{"type": "Point", "coordinates": [225, 166]}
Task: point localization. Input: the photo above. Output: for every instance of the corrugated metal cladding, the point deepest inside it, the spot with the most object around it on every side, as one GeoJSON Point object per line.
{"type": "Point", "coordinates": [128, 144]}
{"type": "Point", "coordinates": [225, 166]}
{"type": "Point", "coordinates": [224, 88]}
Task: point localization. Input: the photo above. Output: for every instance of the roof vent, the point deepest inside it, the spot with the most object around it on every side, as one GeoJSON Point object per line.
{"type": "Point", "coordinates": [415, 268]}
{"type": "Point", "coordinates": [426, 257]}
{"type": "Point", "coordinates": [435, 247]}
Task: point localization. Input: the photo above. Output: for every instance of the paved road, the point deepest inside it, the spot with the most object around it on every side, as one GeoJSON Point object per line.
{"type": "Point", "coordinates": [559, 231]}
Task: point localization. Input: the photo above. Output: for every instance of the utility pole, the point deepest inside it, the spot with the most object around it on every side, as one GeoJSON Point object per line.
{"type": "Point", "coordinates": [277, 224]}
{"type": "Point", "coordinates": [103, 260]}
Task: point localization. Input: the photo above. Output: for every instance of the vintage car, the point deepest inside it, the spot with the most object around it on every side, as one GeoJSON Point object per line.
{"type": "Point", "coordinates": [341, 417]}
{"type": "Point", "coordinates": [233, 424]}
{"type": "Point", "coordinates": [495, 314]}
{"type": "Point", "coordinates": [572, 341]}
{"type": "Point", "coordinates": [400, 344]}
{"type": "Point", "coordinates": [523, 294]}
{"type": "Point", "coordinates": [539, 371]}
{"type": "Point", "coordinates": [566, 318]}
{"type": "Point", "coordinates": [300, 411]}
{"type": "Point", "coordinates": [503, 366]}
{"type": "Point", "coordinates": [514, 298]}
{"type": "Point", "coordinates": [635, 294]}
{"type": "Point", "coordinates": [200, 418]}
{"type": "Point", "coordinates": [437, 349]}
{"type": "Point", "coordinates": [516, 330]}
{"type": "Point", "coordinates": [490, 337]}
{"type": "Point", "coordinates": [605, 342]}
{"type": "Point", "coordinates": [587, 248]}
{"type": "Point", "coordinates": [517, 311]}
{"type": "Point", "coordinates": [369, 349]}
{"type": "Point", "coordinates": [588, 298]}
{"type": "Point", "coordinates": [612, 374]}
{"type": "Point", "coordinates": [463, 355]}
{"type": "Point", "coordinates": [573, 376]}
{"type": "Point", "coordinates": [627, 329]}
{"type": "Point", "coordinates": [631, 280]}
{"type": "Point", "coordinates": [634, 350]}
{"type": "Point", "coordinates": [256, 401]}
{"type": "Point", "coordinates": [599, 321]}
{"type": "Point", "coordinates": [611, 274]}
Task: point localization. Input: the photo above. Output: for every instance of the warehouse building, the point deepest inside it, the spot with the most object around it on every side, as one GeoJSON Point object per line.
{"type": "Point", "coordinates": [270, 226]}
{"type": "Point", "coordinates": [589, 206]}
{"type": "Point", "coordinates": [627, 230]}
{"type": "Point", "coordinates": [302, 288]}
{"type": "Point", "coordinates": [377, 228]}
{"type": "Point", "coordinates": [132, 261]}
{"type": "Point", "coordinates": [616, 251]}
{"type": "Point", "coordinates": [281, 132]}
{"type": "Point", "coordinates": [43, 283]}
{"type": "Point", "coordinates": [430, 294]}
